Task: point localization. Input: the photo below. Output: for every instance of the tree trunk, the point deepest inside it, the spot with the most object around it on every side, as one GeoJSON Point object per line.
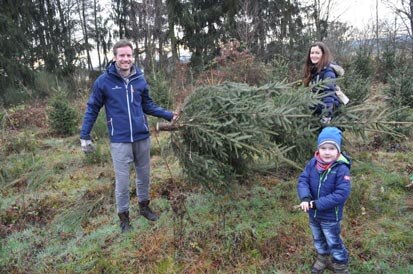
{"type": "Point", "coordinates": [97, 32]}
{"type": "Point", "coordinates": [166, 126]}
{"type": "Point", "coordinates": [82, 16]}
{"type": "Point", "coordinates": [171, 5]}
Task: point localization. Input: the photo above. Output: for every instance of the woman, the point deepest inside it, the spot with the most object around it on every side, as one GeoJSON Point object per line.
{"type": "Point", "coordinates": [321, 77]}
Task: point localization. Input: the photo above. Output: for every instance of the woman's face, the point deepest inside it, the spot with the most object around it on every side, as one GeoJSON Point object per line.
{"type": "Point", "coordinates": [315, 54]}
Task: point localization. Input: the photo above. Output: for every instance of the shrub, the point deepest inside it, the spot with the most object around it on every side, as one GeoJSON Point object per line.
{"type": "Point", "coordinates": [400, 94]}
{"type": "Point", "coordinates": [279, 69]}
{"type": "Point", "coordinates": [400, 91]}
{"type": "Point", "coordinates": [355, 86]}
{"type": "Point", "coordinates": [44, 84]}
{"type": "Point", "coordinates": [100, 129]}
{"type": "Point", "coordinates": [63, 118]}
{"type": "Point", "coordinates": [23, 116]}
{"type": "Point", "coordinates": [160, 89]}
{"type": "Point", "coordinates": [14, 95]}
{"type": "Point", "coordinates": [236, 65]}
{"type": "Point", "coordinates": [362, 63]}
{"type": "Point", "coordinates": [387, 63]}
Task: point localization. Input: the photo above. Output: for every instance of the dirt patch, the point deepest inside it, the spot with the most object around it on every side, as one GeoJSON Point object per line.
{"type": "Point", "coordinates": [288, 242]}
{"type": "Point", "coordinates": [28, 212]}
{"type": "Point", "coordinates": [27, 116]}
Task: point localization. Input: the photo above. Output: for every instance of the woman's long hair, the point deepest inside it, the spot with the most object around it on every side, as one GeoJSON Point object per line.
{"type": "Point", "coordinates": [310, 68]}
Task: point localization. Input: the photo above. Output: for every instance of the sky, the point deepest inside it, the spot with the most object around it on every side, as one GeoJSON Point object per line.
{"type": "Point", "coordinates": [360, 13]}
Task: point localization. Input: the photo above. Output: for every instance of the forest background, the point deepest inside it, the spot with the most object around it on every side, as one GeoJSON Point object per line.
{"type": "Point", "coordinates": [57, 206]}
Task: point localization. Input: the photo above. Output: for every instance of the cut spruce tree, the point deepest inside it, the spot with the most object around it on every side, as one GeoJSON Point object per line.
{"type": "Point", "coordinates": [226, 131]}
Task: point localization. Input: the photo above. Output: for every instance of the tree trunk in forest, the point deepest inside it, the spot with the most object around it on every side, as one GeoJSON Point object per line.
{"type": "Point", "coordinates": [97, 32]}
{"type": "Point", "coordinates": [83, 22]}
{"type": "Point", "coordinates": [171, 5]}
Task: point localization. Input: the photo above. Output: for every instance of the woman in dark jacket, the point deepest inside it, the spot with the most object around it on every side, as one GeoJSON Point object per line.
{"type": "Point", "coordinates": [321, 77]}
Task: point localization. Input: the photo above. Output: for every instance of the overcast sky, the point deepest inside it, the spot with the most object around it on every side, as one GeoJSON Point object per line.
{"type": "Point", "coordinates": [360, 13]}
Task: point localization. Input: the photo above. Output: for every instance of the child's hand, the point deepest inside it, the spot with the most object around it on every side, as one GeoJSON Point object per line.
{"type": "Point", "coordinates": [305, 206]}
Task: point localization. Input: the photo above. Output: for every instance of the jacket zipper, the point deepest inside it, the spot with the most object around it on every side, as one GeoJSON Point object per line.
{"type": "Point", "coordinates": [129, 112]}
{"type": "Point", "coordinates": [144, 122]}
{"type": "Point", "coordinates": [131, 92]}
{"type": "Point", "coordinates": [323, 178]}
{"type": "Point", "coordinates": [111, 125]}
{"type": "Point", "coordinates": [126, 82]}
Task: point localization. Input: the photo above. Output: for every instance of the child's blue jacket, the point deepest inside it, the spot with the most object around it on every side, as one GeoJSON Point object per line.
{"type": "Point", "coordinates": [329, 189]}
{"type": "Point", "coordinates": [126, 103]}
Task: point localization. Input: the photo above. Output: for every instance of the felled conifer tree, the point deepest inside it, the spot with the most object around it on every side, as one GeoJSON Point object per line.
{"type": "Point", "coordinates": [224, 129]}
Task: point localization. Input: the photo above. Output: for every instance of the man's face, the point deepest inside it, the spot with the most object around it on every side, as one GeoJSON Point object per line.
{"type": "Point", "coordinates": [124, 58]}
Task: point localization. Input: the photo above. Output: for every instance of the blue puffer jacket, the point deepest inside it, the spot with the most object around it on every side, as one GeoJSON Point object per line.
{"type": "Point", "coordinates": [325, 83]}
{"type": "Point", "coordinates": [329, 189]}
{"type": "Point", "coordinates": [126, 103]}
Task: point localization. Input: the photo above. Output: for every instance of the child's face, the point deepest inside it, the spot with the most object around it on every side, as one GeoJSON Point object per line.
{"type": "Point", "coordinates": [328, 152]}
{"type": "Point", "coordinates": [315, 54]}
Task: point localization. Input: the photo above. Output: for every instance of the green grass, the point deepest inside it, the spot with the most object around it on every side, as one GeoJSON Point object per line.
{"type": "Point", "coordinates": [62, 218]}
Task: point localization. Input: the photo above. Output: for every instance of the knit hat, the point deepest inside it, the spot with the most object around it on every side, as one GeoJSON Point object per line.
{"type": "Point", "coordinates": [330, 135]}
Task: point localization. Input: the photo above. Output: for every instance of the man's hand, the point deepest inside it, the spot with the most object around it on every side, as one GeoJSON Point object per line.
{"type": "Point", "coordinates": [86, 146]}
{"type": "Point", "coordinates": [175, 117]}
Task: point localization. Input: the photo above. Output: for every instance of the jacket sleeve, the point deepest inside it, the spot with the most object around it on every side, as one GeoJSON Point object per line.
{"type": "Point", "coordinates": [151, 108]}
{"type": "Point", "coordinates": [94, 104]}
{"type": "Point", "coordinates": [329, 89]}
{"type": "Point", "coordinates": [341, 192]}
{"type": "Point", "coordinates": [303, 185]}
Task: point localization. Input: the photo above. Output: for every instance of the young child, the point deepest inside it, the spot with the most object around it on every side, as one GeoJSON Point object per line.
{"type": "Point", "coordinates": [323, 188]}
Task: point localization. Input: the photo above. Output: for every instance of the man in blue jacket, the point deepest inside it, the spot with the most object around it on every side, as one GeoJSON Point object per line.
{"type": "Point", "coordinates": [323, 188]}
{"type": "Point", "coordinates": [123, 90]}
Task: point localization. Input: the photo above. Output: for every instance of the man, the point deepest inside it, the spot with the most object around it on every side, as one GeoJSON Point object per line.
{"type": "Point", "coordinates": [123, 91]}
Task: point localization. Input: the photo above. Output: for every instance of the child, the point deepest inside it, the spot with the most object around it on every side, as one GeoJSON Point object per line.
{"type": "Point", "coordinates": [323, 188]}
{"type": "Point", "coordinates": [318, 68]}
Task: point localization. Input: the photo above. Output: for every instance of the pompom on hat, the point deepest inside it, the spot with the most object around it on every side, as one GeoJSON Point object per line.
{"type": "Point", "coordinates": [330, 135]}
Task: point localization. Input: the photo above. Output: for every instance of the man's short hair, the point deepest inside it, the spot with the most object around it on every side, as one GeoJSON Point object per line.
{"type": "Point", "coordinates": [120, 44]}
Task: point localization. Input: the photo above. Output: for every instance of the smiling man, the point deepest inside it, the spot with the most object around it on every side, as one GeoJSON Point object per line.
{"type": "Point", "coordinates": [123, 90]}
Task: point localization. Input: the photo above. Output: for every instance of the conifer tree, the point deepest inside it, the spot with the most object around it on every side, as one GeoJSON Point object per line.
{"type": "Point", "coordinates": [224, 130]}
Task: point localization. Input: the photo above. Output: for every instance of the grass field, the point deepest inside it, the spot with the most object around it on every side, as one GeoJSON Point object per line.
{"type": "Point", "coordinates": [57, 214]}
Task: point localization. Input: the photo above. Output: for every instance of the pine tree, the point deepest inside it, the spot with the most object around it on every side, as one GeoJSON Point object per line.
{"type": "Point", "coordinates": [63, 118]}
{"type": "Point", "coordinates": [226, 129]}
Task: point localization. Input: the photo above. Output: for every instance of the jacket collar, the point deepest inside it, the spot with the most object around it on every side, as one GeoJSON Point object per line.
{"type": "Point", "coordinates": [111, 69]}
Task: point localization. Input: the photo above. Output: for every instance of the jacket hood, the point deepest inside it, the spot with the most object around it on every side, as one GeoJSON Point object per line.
{"type": "Point", "coordinates": [344, 159]}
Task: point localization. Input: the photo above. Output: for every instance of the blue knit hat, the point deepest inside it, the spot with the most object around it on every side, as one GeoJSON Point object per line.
{"type": "Point", "coordinates": [330, 135]}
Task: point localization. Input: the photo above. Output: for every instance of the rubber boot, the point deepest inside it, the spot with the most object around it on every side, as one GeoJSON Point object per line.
{"type": "Point", "coordinates": [321, 263]}
{"type": "Point", "coordinates": [146, 212]}
{"type": "Point", "coordinates": [340, 268]}
{"type": "Point", "coordinates": [124, 222]}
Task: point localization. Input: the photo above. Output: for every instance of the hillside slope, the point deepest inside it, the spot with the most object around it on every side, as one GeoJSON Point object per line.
{"type": "Point", "coordinates": [58, 214]}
